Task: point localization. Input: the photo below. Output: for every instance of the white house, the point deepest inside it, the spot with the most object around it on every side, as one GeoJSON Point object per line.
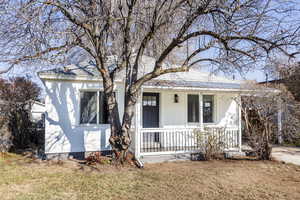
{"type": "Point", "coordinates": [37, 111]}
{"type": "Point", "coordinates": [168, 111]}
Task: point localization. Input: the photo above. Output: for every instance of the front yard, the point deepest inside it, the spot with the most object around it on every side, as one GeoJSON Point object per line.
{"type": "Point", "coordinates": [27, 179]}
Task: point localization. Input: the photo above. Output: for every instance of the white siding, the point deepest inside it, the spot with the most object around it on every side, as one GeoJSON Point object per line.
{"type": "Point", "coordinates": [227, 110]}
{"type": "Point", "coordinates": [175, 114]}
{"type": "Point", "coordinates": [63, 132]}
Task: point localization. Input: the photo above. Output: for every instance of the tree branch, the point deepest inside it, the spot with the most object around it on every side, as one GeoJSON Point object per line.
{"type": "Point", "coordinates": [66, 13]}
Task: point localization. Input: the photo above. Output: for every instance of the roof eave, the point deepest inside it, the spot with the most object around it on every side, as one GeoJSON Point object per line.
{"type": "Point", "coordinates": [61, 77]}
{"type": "Point", "coordinates": [195, 88]}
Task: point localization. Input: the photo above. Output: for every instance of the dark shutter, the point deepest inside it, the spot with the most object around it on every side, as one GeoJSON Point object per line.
{"type": "Point", "coordinates": [193, 108]}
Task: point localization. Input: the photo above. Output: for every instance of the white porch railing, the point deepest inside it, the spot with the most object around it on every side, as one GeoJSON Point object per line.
{"type": "Point", "coordinates": [180, 140]}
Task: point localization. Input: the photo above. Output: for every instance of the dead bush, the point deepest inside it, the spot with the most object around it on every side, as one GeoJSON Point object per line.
{"type": "Point", "coordinates": [210, 144]}
{"type": "Point", "coordinates": [97, 158]}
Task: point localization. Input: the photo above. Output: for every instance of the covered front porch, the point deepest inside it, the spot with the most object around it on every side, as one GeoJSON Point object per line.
{"type": "Point", "coordinates": [169, 120]}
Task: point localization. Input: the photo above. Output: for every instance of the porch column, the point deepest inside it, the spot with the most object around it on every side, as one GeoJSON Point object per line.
{"type": "Point", "coordinates": [240, 122]}
{"type": "Point", "coordinates": [279, 122]}
{"type": "Point", "coordinates": [138, 122]}
{"type": "Point", "coordinates": [201, 111]}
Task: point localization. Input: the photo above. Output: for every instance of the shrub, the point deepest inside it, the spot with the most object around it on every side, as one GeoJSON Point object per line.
{"type": "Point", "coordinates": [210, 143]}
{"type": "Point", "coordinates": [16, 96]}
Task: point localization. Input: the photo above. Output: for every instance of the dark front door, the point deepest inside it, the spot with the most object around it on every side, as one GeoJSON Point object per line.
{"type": "Point", "coordinates": [150, 110]}
{"type": "Point", "coordinates": [150, 119]}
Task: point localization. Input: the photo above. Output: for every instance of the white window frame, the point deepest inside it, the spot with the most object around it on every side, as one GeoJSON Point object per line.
{"type": "Point", "coordinates": [98, 109]}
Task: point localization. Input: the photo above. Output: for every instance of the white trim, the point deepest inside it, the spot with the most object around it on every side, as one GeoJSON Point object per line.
{"type": "Point", "coordinates": [201, 111]}
{"type": "Point", "coordinates": [196, 89]}
{"type": "Point", "coordinates": [240, 124]}
{"type": "Point", "coordinates": [61, 77]}
{"type": "Point", "coordinates": [279, 121]}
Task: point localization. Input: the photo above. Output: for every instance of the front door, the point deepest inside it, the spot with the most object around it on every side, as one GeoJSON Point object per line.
{"type": "Point", "coordinates": [151, 115]}
{"type": "Point", "coordinates": [150, 110]}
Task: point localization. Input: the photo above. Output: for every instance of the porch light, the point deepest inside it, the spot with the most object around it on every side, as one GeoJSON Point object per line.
{"type": "Point", "coordinates": [176, 98]}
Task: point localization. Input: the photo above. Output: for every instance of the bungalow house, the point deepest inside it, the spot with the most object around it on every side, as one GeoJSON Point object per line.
{"type": "Point", "coordinates": [168, 110]}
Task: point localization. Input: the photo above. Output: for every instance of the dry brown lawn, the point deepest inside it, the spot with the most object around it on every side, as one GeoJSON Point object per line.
{"type": "Point", "coordinates": [230, 179]}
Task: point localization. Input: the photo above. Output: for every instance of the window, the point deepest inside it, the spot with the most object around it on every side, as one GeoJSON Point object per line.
{"type": "Point", "coordinates": [208, 108]}
{"type": "Point", "coordinates": [149, 100]}
{"type": "Point", "coordinates": [93, 108]}
{"type": "Point", "coordinates": [193, 108]}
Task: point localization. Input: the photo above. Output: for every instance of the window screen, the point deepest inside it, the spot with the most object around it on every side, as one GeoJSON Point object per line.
{"type": "Point", "coordinates": [208, 108]}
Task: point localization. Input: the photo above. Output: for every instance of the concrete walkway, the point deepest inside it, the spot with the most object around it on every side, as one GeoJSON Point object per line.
{"type": "Point", "coordinates": [287, 154]}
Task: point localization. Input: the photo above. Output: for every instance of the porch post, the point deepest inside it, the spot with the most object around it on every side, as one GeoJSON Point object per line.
{"type": "Point", "coordinates": [138, 114]}
{"type": "Point", "coordinates": [240, 122]}
{"type": "Point", "coordinates": [201, 111]}
{"type": "Point", "coordinates": [279, 122]}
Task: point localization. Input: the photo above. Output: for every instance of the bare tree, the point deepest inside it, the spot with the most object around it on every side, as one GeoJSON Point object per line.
{"type": "Point", "coordinates": [287, 79]}
{"type": "Point", "coordinates": [259, 112]}
{"type": "Point", "coordinates": [233, 34]}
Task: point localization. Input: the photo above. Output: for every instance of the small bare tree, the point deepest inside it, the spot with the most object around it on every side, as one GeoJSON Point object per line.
{"type": "Point", "coordinates": [287, 79]}
{"type": "Point", "coordinates": [266, 118]}
{"type": "Point", "coordinates": [231, 34]}
{"type": "Point", "coordinates": [259, 115]}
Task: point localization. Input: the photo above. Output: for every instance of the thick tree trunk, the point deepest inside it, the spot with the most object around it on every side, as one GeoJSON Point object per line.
{"type": "Point", "coordinates": [120, 138]}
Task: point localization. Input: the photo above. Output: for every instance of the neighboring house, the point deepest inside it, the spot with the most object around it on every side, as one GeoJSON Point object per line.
{"type": "Point", "coordinates": [37, 111]}
{"type": "Point", "coordinates": [284, 84]}
{"type": "Point", "coordinates": [167, 112]}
